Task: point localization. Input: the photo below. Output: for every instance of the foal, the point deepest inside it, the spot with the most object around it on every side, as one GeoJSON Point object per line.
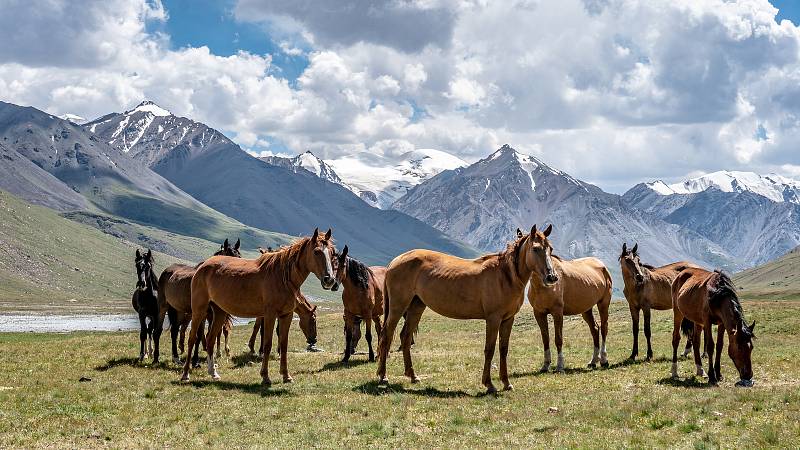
{"type": "Point", "coordinates": [362, 298]}
{"type": "Point", "coordinates": [706, 298]}
{"type": "Point", "coordinates": [561, 287]}
{"type": "Point", "coordinates": [145, 302]}
{"type": "Point", "coordinates": [646, 288]}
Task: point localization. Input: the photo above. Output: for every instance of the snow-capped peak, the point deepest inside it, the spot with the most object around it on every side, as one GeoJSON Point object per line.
{"type": "Point", "coordinates": [772, 186]}
{"type": "Point", "coordinates": [74, 118]}
{"type": "Point", "coordinates": [149, 107]}
{"type": "Point", "coordinates": [310, 162]}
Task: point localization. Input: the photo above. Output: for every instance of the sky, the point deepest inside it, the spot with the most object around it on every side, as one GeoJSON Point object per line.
{"type": "Point", "coordinates": [614, 92]}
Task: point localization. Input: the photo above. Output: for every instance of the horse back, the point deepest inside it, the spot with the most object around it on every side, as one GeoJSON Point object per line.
{"type": "Point", "coordinates": [659, 285]}
{"type": "Point", "coordinates": [175, 287]}
{"type": "Point", "coordinates": [690, 294]}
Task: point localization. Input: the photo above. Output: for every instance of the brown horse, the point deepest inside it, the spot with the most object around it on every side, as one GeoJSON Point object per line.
{"type": "Point", "coordinates": [706, 298]}
{"type": "Point", "coordinates": [646, 288]}
{"type": "Point", "coordinates": [308, 323]}
{"type": "Point", "coordinates": [362, 298]}
{"type": "Point", "coordinates": [567, 288]}
{"type": "Point", "coordinates": [268, 287]}
{"type": "Point", "coordinates": [491, 288]}
{"type": "Point", "coordinates": [175, 299]}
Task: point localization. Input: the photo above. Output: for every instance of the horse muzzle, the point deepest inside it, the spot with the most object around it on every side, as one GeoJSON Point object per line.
{"type": "Point", "coordinates": [328, 282]}
{"type": "Point", "coordinates": [551, 278]}
{"type": "Point", "coordinates": [639, 279]}
{"type": "Point", "coordinates": [335, 287]}
{"type": "Point", "coordinates": [745, 383]}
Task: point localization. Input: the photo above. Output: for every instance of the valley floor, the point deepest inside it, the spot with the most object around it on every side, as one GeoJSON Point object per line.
{"type": "Point", "coordinates": [330, 405]}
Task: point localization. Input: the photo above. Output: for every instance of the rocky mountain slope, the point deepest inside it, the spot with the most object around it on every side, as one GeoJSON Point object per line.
{"type": "Point", "coordinates": [777, 279]}
{"type": "Point", "coordinates": [485, 202]}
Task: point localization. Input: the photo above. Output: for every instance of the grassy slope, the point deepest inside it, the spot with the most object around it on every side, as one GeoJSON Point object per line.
{"type": "Point", "coordinates": [778, 279]}
{"type": "Point", "coordinates": [40, 251]}
{"type": "Point", "coordinates": [637, 405]}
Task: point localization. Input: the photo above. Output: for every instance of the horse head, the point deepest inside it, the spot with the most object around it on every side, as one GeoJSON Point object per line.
{"type": "Point", "coordinates": [144, 267]}
{"type": "Point", "coordinates": [319, 255]}
{"type": "Point", "coordinates": [226, 250]}
{"type": "Point", "coordinates": [629, 260]}
{"type": "Point", "coordinates": [539, 255]}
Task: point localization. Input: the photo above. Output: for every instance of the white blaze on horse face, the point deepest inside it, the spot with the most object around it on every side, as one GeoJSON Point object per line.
{"type": "Point", "coordinates": [328, 265]}
{"type": "Point", "coordinates": [548, 262]}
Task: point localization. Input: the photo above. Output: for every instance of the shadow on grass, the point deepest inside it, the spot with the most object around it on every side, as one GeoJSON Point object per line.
{"type": "Point", "coordinates": [374, 388]}
{"type": "Point", "coordinates": [249, 388]}
{"type": "Point", "coordinates": [579, 370]}
{"type": "Point", "coordinates": [245, 359]}
{"type": "Point", "coordinates": [691, 382]}
{"type": "Point", "coordinates": [337, 365]}
{"type": "Point", "coordinates": [134, 362]}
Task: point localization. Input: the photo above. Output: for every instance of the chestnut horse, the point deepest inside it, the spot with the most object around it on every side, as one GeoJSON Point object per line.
{"type": "Point", "coordinates": [567, 288]}
{"type": "Point", "coordinates": [308, 323]}
{"type": "Point", "coordinates": [268, 287]}
{"type": "Point", "coordinates": [646, 288]}
{"type": "Point", "coordinates": [362, 298]}
{"type": "Point", "coordinates": [491, 288]}
{"type": "Point", "coordinates": [175, 299]}
{"type": "Point", "coordinates": [706, 298]}
{"type": "Point", "coordinates": [145, 303]}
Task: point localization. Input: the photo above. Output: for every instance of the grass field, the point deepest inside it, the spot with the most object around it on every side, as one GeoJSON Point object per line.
{"type": "Point", "coordinates": [330, 405]}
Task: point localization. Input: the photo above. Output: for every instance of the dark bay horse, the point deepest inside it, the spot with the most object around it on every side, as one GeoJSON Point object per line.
{"type": "Point", "coordinates": [647, 288]}
{"type": "Point", "coordinates": [491, 288]}
{"type": "Point", "coordinates": [362, 298]}
{"type": "Point", "coordinates": [567, 288]}
{"type": "Point", "coordinates": [308, 324]}
{"type": "Point", "coordinates": [702, 299]}
{"type": "Point", "coordinates": [175, 299]}
{"type": "Point", "coordinates": [267, 287]}
{"type": "Point", "coordinates": [145, 302]}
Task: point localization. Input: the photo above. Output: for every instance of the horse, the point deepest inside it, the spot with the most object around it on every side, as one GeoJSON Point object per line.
{"type": "Point", "coordinates": [308, 324]}
{"type": "Point", "coordinates": [362, 298]}
{"type": "Point", "coordinates": [145, 303]}
{"type": "Point", "coordinates": [491, 288]}
{"type": "Point", "coordinates": [701, 299]}
{"type": "Point", "coordinates": [268, 287]}
{"type": "Point", "coordinates": [174, 299]}
{"type": "Point", "coordinates": [568, 287]}
{"type": "Point", "coordinates": [646, 288]}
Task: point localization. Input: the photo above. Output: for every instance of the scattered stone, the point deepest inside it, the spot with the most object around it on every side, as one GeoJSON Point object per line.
{"type": "Point", "coordinates": [552, 410]}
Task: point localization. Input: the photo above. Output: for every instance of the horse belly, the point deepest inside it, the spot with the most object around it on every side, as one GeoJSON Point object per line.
{"type": "Point", "coordinates": [452, 302]}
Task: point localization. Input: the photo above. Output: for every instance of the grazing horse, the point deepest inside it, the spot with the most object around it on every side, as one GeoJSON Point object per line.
{"type": "Point", "coordinates": [706, 298]}
{"type": "Point", "coordinates": [175, 299]}
{"type": "Point", "coordinates": [567, 288]}
{"type": "Point", "coordinates": [268, 287]}
{"type": "Point", "coordinates": [145, 302]}
{"type": "Point", "coordinates": [362, 298]}
{"type": "Point", "coordinates": [308, 323]}
{"type": "Point", "coordinates": [491, 288]}
{"type": "Point", "coordinates": [646, 288]}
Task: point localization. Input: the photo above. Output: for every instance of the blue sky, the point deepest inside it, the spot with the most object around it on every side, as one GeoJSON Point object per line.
{"type": "Point", "coordinates": [788, 9]}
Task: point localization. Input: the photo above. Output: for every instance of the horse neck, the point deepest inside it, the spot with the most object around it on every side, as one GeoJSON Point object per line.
{"type": "Point", "coordinates": [150, 283]}
{"type": "Point", "coordinates": [520, 267]}
{"type": "Point", "coordinates": [298, 271]}
{"type": "Point", "coordinates": [728, 316]}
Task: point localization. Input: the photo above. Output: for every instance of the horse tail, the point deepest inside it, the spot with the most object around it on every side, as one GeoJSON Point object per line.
{"type": "Point", "coordinates": [385, 301]}
{"type": "Point", "coordinates": [687, 327]}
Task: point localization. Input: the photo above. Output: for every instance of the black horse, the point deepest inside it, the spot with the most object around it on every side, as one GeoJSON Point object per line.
{"type": "Point", "coordinates": [145, 302]}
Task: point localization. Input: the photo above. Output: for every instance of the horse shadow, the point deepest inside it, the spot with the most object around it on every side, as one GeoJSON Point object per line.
{"type": "Point", "coordinates": [689, 383]}
{"type": "Point", "coordinates": [134, 362]}
{"type": "Point", "coordinates": [337, 365]}
{"type": "Point", "coordinates": [580, 370]}
{"type": "Point", "coordinates": [377, 389]}
{"type": "Point", "coordinates": [245, 359]}
{"type": "Point", "coordinates": [249, 388]}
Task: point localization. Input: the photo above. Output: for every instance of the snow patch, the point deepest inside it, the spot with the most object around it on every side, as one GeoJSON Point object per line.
{"type": "Point", "coordinates": [150, 107]}
{"type": "Point", "coordinates": [772, 186]}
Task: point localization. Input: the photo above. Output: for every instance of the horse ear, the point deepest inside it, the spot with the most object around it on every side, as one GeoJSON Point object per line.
{"type": "Point", "coordinates": [533, 230]}
{"type": "Point", "coordinates": [236, 246]}
{"type": "Point", "coordinates": [314, 308]}
{"type": "Point", "coordinates": [226, 244]}
{"type": "Point", "coordinates": [315, 235]}
{"type": "Point", "coordinates": [635, 248]}
{"type": "Point", "coordinates": [344, 253]}
{"type": "Point", "coordinates": [261, 250]}
{"type": "Point", "coordinates": [624, 248]}
{"type": "Point", "coordinates": [149, 254]}
{"type": "Point", "coordinates": [548, 230]}
{"type": "Point", "coordinates": [138, 254]}
{"type": "Point", "coordinates": [328, 234]}
{"type": "Point", "coordinates": [752, 327]}
{"type": "Point", "coordinates": [519, 233]}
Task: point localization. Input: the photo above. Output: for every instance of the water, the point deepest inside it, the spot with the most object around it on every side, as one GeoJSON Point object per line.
{"type": "Point", "coordinates": [46, 323]}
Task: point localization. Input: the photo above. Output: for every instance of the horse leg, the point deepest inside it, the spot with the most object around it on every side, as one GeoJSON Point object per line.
{"type": "Point", "coordinates": [635, 329]}
{"type": "Point", "coordinates": [226, 331]}
{"type": "Point", "coordinates": [688, 348]}
{"type": "Point", "coordinates": [505, 336]}
{"type": "Point", "coordinates": [397, 306]}
{"type": "Point", "coordinates": [588, 317]}
{"type": "Point", "coordinates": [378, 328]}
{"type": "Point", "coordinates": [283, 341]}
{"type": "Point", "coordinates": [541, 319]}
{"type": "Point", "coordinates": [413, 316]}
{"type": "Point", "coordinates": [201, 341]}
{"type": "Point", "coordinates": [718, 354]}
{"type": "Point", "coordinates": [695, 340]}
{"type": "Point", "coordinates": [558, 326]}
{"type": "Point", "coordinates": [602, 308]}
{"type": "Point", "coordinates": [212, 338]}
{"type": "Point", "coordinates": [150, 328]}
{"type": "Point", "coordinates": [356, 333]}
{"type": "Point", "coordinates": [159, 327]}
{"type": "Point", "coordinates": [251, 344]}
{"type": "Point", "coordinates": [266, 347]}
{"type": "Point", "coordinates": [348, 336]}
{"type": "Point", "coordinates": [368, 331]}
{"type": "Point", "coordinates": [199, 313]}
{"type": "Point", "coordinates": [142, 336]}
{"type": "Point", "coordinates": [646, 313]}
{"type": "Point", "coordinates": [174, 329]}
{"type": "Point", "coordinates": [492, 328]}
{"type": "Point", "coordinates": [677, 318]}
{"type": "Point", "coordinates": [712, 375]}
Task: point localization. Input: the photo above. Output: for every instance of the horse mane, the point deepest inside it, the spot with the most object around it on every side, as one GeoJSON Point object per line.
{"type": "Point", "coordinates": [721, 287]}
{"type": "Point", "coordinates": [647, 266]}
{"type": "Point", "coordinates": [358, 272]}
{"type": "Point", "coordinates": [282, 260]}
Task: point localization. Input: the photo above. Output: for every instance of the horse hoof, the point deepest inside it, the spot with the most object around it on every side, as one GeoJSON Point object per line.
{"type": "Point", "coordinates": [544, 369]}
{"type": "Point", "coordinates": [185, 378]}
{"type": "Point", "coordinates": [215, 377]}
{"type": "Point", "coordinates": [491, 389]}
{"type": "Point", "coordinates": [383, 381]}
{"type": "Point", "coordinates": [288, 379]}
{"type": "Point", "coordinates": [266, 382]}
{"type": "Point", "coordinates": [508, 387]}
{"type": "Point", "coordinates": [591, 366]}
{"type": "Point", "coordinates": [604, 365]}
{"type": "Point", "coordinates": [415, 379]}
{"type": "Point", "coordinates": [176, 361]}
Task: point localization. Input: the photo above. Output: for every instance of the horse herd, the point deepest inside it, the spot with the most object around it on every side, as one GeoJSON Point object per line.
{"type": "Point", "coordinates": [491, 288]}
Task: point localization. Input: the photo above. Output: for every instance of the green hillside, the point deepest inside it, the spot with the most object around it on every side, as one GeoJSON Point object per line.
{"type": "Point", "coordinates": [52, 264]}
{"type": "Point", "coordinates": [778, 279]}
